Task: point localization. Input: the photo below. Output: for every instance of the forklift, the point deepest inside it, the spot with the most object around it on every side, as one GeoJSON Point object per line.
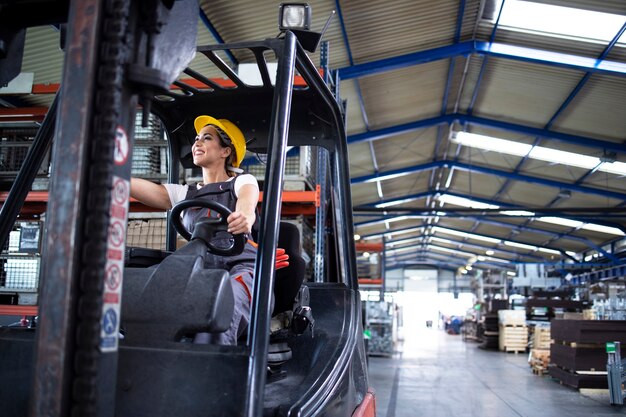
{"type": "Point", "coordinates": [110, 333]}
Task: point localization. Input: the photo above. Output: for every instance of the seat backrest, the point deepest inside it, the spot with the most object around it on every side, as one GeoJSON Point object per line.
{"type": "Point", "coordinates": [289, 279]}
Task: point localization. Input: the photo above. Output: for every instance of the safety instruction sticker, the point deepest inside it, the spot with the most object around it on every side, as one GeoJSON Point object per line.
{"type": "Point", "coordinates": [114, 270]}
{"type": "Point", "coordinates": [122, 147]}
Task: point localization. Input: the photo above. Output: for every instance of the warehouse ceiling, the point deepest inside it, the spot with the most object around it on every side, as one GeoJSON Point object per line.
{"type": "Point", "coordinates": [418, 76]}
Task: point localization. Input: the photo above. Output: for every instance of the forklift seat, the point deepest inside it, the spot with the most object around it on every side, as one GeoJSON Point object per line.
{"type": "Point", "coordinates": [291, 299]}
{"type": "Point", "coordinates": [288, 280]}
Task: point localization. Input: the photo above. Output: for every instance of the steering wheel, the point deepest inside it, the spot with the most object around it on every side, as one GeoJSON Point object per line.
{"type": "Point", "coordinates": [211, 224]}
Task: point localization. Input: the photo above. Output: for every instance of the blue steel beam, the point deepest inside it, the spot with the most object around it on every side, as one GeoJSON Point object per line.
{"type": "Point", "coordinates": [399, 200]}
{"type": "Point", "coordinates": [470, 107]}
{"type": "Point", "coordinates": [422, 263]}
{"type": "Point", "coordinates": [562, 108]}
{"type": "Point", "coordinates": [483, 121]}
{"type": "Point", "coordinates": [420, 253]}
{"type": "Point", "coordinates": [408, 60]}
{"type": "Point", "coordinates": [500, 50]}
{"type": "Point", "coordinates": [557, 59]}
{"type": "Point", "coordinates": [560, 111]}
{"type": "Point", "coordinates": [487, 171]}
{"type": "Point", "coordinates": [554, 235]}
{"type": "Point", "coordinates": [522, 228]}
{"type": "Point", "coordinates": [446, 91]}
{"type": "Point", "coordinates": [417, 196]}
{"type": "Point", "coordinates": [344, 34]}
{"type": "Point", "coordinates": [216, 34]}
{"type": "Point", "coordinates": [557, 214]}
{"type": "Point", "coordinates": [478, 246]}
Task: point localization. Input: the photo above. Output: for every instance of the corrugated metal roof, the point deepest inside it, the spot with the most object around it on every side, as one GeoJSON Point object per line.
{"type": "Point", "coordinates": [506, 90]}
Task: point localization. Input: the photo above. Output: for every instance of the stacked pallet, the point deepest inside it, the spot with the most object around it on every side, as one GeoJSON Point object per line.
{"type": "Point", "coordinates": [541, 337]}
{"type": "Point", "coordinates": [578, 357]}
{"type": "Point", "coordinates": [540, 351]}
{"type": "Point", "coordinates": [488, 331]}
{"type": "Point", "coordinates": [539, 361]}
{"type": "Point", "coordinates": [513, 332]}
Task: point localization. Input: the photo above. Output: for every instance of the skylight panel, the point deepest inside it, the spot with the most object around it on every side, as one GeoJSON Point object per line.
{"type": "Point", "coordinates": [558, 21]}
{"type": "Point", "coordinates": [530, 247]}
{"type": "Point", "coordinates": [617, 168]}
{"type": "Point", "coordinates": [395, 202]}
{"type": "Point", "coordinates": [541, 153]}
{"type": "Point", "coordinates": [489, 143]}
{"type": "Point", "coordinates": [400, 250]}
{"type": "Point", "coordinates": [465, 234]}
{"type": "Point", "coordinates": [465, 202]}
{"type": "Point", "coordinates": [448, 250]}
{"type": "Point", "coordinates": [404, 241]}
{"type": "Point", "coordinates": [586, 226]}
{"type": "Point", "coordinates": [520, 245]}
{"type": "Point", "coordinates": [561, 221]}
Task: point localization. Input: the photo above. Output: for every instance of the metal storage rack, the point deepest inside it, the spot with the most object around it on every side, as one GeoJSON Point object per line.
{"type": "Point", "coordinates": [15, 141]}
{"type": "Point", "coordinates": [19, 265]}
{"type": "Point", "coordinates": [150, 159]}
{"type": "Point", "coordinates": [300, 168]}
{"type": "Point", "coordinates": [380, 321]}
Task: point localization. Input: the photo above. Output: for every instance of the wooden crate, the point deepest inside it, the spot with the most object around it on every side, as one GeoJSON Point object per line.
{"type": "Point", "coordinates": [513, 338]}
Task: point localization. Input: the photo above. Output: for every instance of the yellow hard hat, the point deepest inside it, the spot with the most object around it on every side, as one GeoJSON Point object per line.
{"type": "Point", "coordinates": [231, 129]}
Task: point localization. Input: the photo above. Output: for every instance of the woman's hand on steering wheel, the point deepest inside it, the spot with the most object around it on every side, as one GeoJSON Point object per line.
{"type": "Point", "coordinates": [209, 224]}
{"type": "Point", "coordinates": [239, 222]}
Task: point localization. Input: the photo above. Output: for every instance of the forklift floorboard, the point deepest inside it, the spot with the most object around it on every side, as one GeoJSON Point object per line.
{"type": "Point", "coordinates": [434, 374]}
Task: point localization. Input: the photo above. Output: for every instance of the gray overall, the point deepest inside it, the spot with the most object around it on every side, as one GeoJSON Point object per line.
{"type": "Point", "coordinates": [240, 267]}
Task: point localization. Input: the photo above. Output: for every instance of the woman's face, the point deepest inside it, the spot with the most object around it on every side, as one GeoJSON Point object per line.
{"type": "Point", "coordinates": [207, 149]}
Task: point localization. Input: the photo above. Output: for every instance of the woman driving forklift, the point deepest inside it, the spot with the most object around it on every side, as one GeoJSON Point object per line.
{"type": "Point", "coordinates": [218, 150]}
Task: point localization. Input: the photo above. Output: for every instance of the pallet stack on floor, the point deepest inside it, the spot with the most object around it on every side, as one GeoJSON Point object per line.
{"type": "Point", "coordinates": [578, 355]}
{"type": "Point", "coordinates": [513, 332]}
{"type": "Point", "coordinates": [488, 332]}
{"type": "Point", "coordinates": [540, 349]}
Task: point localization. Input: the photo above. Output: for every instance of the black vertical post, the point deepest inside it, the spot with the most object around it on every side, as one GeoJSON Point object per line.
{"type": "Point", "coordinates": [383, 270]}
{"type": "Point", "coordinates": [266, 256]}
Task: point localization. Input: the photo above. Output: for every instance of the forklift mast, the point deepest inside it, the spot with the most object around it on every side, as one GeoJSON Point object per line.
{"type": "Point", "coordinates": [121, 55]}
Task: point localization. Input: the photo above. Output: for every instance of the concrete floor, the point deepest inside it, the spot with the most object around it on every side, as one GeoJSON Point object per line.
{"type": "Point", "coordinates": [437, 375]}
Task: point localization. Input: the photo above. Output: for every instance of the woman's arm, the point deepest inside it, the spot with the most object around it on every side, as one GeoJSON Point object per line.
{"type": "Point", "coordinates": [242, 219]}
{"type": "Point", "coordinates": [150, 193]}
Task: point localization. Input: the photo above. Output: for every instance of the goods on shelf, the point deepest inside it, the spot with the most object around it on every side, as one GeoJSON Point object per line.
{"type": "Point", "coordinates": [300, 168]}
{"type": "Point", "coordinates": [146, 233]}
{"type": "Point", "coordinates": [20, 264]}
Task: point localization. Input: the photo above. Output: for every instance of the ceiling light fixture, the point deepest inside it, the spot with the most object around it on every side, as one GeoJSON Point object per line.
{"type": "Point", "coordinates": [466, 202]}
{"type": "Point", "coordinates": [510, 147]}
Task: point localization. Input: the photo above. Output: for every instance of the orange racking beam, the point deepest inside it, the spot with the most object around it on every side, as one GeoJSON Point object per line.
{"type": "Point", "coordinates": [11, 310]}
{"type": "Point", "coordinates": [369, 247]}
{"type": "Point", "coordinates": [294, 202]}
{"type": "Point", "coordinates": [370, 281]}
{"type": "Point", "coordinates": [52, 88]}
